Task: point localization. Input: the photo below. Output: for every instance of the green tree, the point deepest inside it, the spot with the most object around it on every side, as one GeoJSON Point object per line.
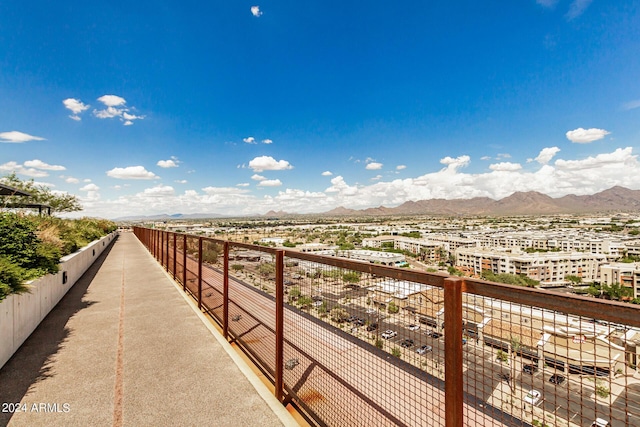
{"type": "Point", "coordinates": [351, 277]}
{"type": "Point", "coordinates": [304, 301]}
{"type": "Point", "coordinates": [40, 194]}
{"type": "Point", "coordinates": [339, 314]}
{"type": "Point", "coordinates": [393, 308]}
{"type": "Point", "coordinates": [573, 279]}
{"type": "Point", "coordinates": [267, 268]}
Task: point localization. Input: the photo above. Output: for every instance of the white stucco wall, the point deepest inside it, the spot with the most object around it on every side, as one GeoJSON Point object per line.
{"type": "Point", "coordinates": [21, 314]}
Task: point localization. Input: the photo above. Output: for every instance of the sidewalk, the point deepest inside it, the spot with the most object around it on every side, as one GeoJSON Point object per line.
{"type": "Point", "coordinates": [124, 348]}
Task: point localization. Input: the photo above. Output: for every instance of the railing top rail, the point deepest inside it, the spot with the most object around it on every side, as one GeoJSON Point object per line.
{"type": "Point", "coordinates": [610, 311]}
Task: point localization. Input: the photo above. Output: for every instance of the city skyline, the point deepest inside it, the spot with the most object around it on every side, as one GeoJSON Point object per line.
{"type": "Point", "coordinates": [242, 108]}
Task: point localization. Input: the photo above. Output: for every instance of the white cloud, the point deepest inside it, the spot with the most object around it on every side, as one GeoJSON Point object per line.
{"type": "Point", "coordinates": [21, 170]}
{"type": "Point", "coordinates": [485, 158]}
{"type": "Point", "coordinates": [112, 100]}
{"type": "Point", "coordinates": [376, 178]}
{"type": "Point", "coordinates": [338, 185]}
{"type": "Point", "coordinates": [255, 11]}
{"type": "Point", "coordinates": [401, 167]}
{"type": "Point", "coordinates": [39, 164]}
{"type": "Point", "coordinates": [546, 154]}
{"type": "Point", "coordinates": [257, 177]}
{"type": "Point", "coordinates": [270, 183]}
{"type": "Point", "coordinates": [71, 180]}
{"type": "Point", "coordinates": [455, 163]}
{"type": "Point", "coordinates": [181, 181]}
{"type": "Point", "coordinates": [504, 156]}
{"type": "Point", "coordinates": [18, 137]}
{"type": "Point", "coordinates": [327, 173]}
{"type": "Point", "coordinates": [264, 163]}
{"type": "Point", "coordinates": [243, 184]}
{"type": "Point", "coordinates": [631, 105]}
{"type": "Point", "coordinates": [167, 163]}
{"type": "Point", "coordinates": [10, 166]}
{"type": "Point", "coordinates": [249, 140]}
{"type": "Point", "coordinates": [75, 106]}
{"type": "Point", "coordinates": [34, 173]}
{"type": "Point", "coordinates": [159, 191]}
{"type": "Point", "coordinates": [90, 187]}
{"type": "Point", "coordinates": [267, 141]}
{"type": "Point", "coordinates": [373, 166]}
{"type": "Point", "coordinates": [116, 107]}
{"type": "Point", "coordinates": [131, 172]}
{"type": "Point", "coordinates": [619, 157]}
{"type": "Point", "coordinates": [505, 167]}
{"type": "Point", "coordinates": [577, 8]}
{"type": "Point", "coordinates": [585, 136]}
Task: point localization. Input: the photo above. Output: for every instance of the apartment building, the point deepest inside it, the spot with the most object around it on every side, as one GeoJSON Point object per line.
{"type": "Point", "coordinates": [550, 268]}
{"type": "Point", "coordinates": [627, 274]}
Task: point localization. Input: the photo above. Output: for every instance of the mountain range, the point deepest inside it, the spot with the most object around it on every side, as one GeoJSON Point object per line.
{"type": "Point", "coordinates": [615, 199]}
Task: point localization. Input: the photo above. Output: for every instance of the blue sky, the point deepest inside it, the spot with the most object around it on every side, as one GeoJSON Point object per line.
{"type": "Point", "coordinates": [238, 107]}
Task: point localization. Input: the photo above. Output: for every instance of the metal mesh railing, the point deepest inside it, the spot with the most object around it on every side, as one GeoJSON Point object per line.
{"type": "Point", "coordinates": [352, 343]}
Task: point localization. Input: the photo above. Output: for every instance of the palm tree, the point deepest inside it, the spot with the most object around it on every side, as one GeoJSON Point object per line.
{"type": "Point", "coordinates": [514, 347]}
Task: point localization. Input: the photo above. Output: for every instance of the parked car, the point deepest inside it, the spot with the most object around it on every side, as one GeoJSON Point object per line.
{"type": "Point", "coordinates": [388, 334]}
{"type": "Point", "coordinates": [359, 322]}
{"type": "Point", "coordinates": [556, 379]}
{"type": "Point", "coordinates": [599, 422]}
{"type": "Point", "coordinates": [529, 369]}
{"type": "Point", "coordinates": [532, 397]}
{"type": "Point", "coordinates": [352, 319]}
{"type": "Point", "coordinates": [413, 327]}
{"type": "Point", "coordinates": [407, 343]}
{"type": "Point", "coordinates": [372, 327]}
{"type": "Point", "coordinates": [371, 311]}
{"type": "Point", "coordinates": [436, 335]}
{"type": "Point", "coordinates": [424, 349]}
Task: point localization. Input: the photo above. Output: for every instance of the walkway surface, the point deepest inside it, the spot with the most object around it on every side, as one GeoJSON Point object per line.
{"type": "Point", "coordinates": [125, 348]}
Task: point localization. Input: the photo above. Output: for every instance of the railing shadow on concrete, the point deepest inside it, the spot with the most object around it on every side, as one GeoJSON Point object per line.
{"type": "Point", "coordinates": [288, 310]}
{"type": "Point", "coordinates": [31, 362]}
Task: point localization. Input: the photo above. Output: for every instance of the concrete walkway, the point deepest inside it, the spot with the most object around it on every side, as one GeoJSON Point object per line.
{"type": "Point", "coordinates": [125, 348]}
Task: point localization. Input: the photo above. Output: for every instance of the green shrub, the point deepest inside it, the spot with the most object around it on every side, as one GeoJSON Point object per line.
{"type": "Point", "coordinates": [31, 246]}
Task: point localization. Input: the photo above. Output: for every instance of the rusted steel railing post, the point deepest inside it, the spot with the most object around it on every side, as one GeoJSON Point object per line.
{"type": "Point", "coordinates": [225, 292]}
{"type": "Point", "coordinates": [453, 378]}
{"type": "Point", "coordinates": [184, 263]}
{"type": "Point", "coordinates": [166, 257]}
{"type": "Point", "coordinates": [161, 247]}
{"type": "Point", "coordinates": [175, 254]}
{"type": "Point", "coordinates": [200, 272]}
{"type": "Point", "coordinates": [279, 384]}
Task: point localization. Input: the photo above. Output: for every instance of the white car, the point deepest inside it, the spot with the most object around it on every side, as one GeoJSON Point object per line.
{"type": "Point", "coordinates": [371, 311]}
{"type": "Point", "coordinates": [389, 334]}
{"type": "Point", "coordinates": [532, 397]}
{"type": "Point", "coordinates": [424, 349]}
{"type": "Point", "coordinates": [413, 327]}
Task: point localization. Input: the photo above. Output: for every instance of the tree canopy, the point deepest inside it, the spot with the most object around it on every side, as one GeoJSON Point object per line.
{"type": "Point", "coordinates": [40, 194]}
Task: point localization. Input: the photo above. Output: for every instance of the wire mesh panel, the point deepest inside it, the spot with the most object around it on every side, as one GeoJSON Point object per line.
{"type": "Point", "coordinates": [192, 266]}
{"type": "Point", "coordinates": [355, 353]}
{"type": "Point", "coordinates": [212, 278]}
{"type": "Point", "coordinates": [365, 345]}
{"type": "Point", "coordinates": [180, 247]}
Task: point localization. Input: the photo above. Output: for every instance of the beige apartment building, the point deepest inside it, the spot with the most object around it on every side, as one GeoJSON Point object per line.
{"type": "Point", "coordinates": [550, 268]}
{"type": "Point", "coordinates": [627, 274]}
